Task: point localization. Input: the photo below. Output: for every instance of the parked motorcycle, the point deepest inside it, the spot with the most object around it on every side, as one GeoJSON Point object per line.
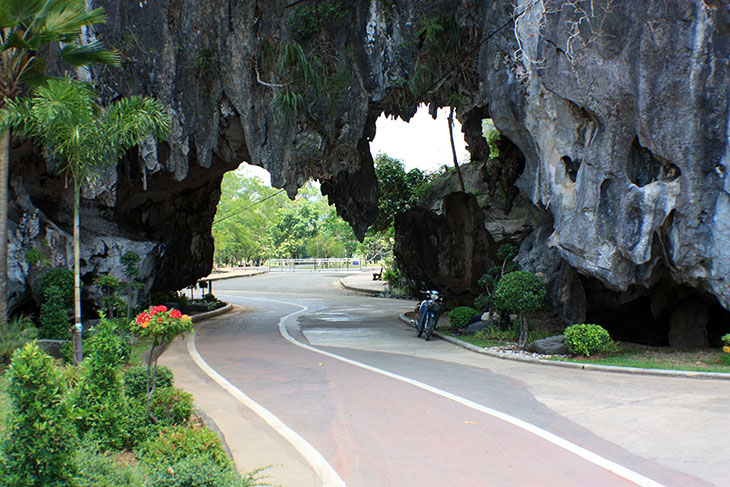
{"type": "Point", "coordinates": [429, 311]}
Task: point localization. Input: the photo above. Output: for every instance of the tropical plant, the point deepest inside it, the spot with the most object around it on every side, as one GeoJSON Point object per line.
{"type": "Point", "coordinates": [64, 117]}
{"type": "Point", "coordinates": [27, 28]}
{"type": "Point", "coordinates": [14, 334]}
{"type": "Point", "coordinates": [520, 292]}
{"type": "Point", "coordinates": [38, 451]}
{"type": "Point", "coordinates": [162, 326]}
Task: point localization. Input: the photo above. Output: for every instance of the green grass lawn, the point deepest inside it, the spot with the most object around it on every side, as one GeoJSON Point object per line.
{"type": "Point", "coordinates": [697, 360]}
{"type": "Point", "coordinates": [627, 355]}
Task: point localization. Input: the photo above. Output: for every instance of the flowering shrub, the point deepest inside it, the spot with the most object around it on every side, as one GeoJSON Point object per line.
{"type": "Point", "coordinates": [159, 322]}
{"type": "Point", "coordinates": [726, 340]}
{"type": "Point", "coordinates": [162, 325]}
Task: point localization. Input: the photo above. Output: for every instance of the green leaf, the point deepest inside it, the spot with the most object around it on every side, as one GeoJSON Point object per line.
{"type": "Point", "coordinates": [82, 55]}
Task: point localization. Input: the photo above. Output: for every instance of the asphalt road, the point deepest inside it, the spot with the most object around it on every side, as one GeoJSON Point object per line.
{"type": "Point", "coordinates": [383, 408]}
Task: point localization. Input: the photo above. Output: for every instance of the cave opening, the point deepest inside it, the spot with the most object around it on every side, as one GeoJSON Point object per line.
{"type": "Point", "coordinates": [666, 314]}
{"type": "Point", "coordinates": [421, 142]}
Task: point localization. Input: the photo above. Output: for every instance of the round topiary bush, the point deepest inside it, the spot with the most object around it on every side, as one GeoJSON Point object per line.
{"type": "Point", "coordinates": [584, 339]}
{"type": "Point", "coordinates": [461, 315]}
{"type": "Point", "coordinates": [519, 292]}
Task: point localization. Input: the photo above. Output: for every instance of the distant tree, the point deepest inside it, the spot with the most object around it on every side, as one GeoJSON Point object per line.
{"type": "Point", "coordinates": [64, 117]}
{"type": "Point", "coordinates": [398, 190]}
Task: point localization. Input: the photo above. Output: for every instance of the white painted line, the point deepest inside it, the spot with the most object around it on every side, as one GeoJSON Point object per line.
{"type": "Point", "coordinates": [321, 467]}
{"type": "Point", "coordinates": [594, 458]}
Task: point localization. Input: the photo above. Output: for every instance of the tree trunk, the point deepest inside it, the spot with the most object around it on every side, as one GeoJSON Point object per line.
{"type": "Point", "coordinates": [78, 327]}
{"type": "Point", "coordinates": [453, 150]}
{"type": "Point", "coordinates": [4, 172]}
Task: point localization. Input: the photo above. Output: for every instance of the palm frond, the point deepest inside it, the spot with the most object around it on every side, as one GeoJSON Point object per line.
{"type": "Point", "coordinates": [70, 17]}
{"type": "Point", "coordinates": [15, 40]}
{"type": "Point", "coordinates": [78, 55]}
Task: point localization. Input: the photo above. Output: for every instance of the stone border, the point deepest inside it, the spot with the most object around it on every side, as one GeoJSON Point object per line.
{"type": "Point", "coordinates": [360, 290]}
{"type": "Point", "coordinates": [231, 276]}
{"type": "Point", "coordinates": [574, 365]}
{"type": "Point", "coordinates": [211, 314]}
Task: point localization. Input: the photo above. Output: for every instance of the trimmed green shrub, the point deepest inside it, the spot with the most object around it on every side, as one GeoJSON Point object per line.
{"type": "Point", "coordinates": [135, 379]}
{"type": "Point", "coordinates": [171, 405]}
{"type": "Point", "coordinates": [724, 359]}
{"type": "Point", "coordinates": [174, 443]}
{"type": "Point", "coordinates": [99, 395]}
{"type": "Point", "coordinates": [520, 292]}
{"type": "Point", "coordinates": [54, 317]}
{"type": "Point", "coordinates": [41, 438]}
{"type": "Point", "coordinates": [584, 339]}
{"type": "Point", "coordinates": [61, 278]}
{"type": "Point", "coordinates": [461, 315]}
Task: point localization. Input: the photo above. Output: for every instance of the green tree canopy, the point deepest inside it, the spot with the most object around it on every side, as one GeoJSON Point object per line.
{"type": "Point", "coordinates": [398, 190]}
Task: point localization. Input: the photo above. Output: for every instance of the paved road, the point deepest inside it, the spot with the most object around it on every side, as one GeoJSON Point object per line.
{"type": "Point", "coordinates": [431, 414]}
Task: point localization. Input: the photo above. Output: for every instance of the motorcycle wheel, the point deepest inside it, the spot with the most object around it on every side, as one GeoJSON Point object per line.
{"type": "Point", "coordinates": [430, 322]}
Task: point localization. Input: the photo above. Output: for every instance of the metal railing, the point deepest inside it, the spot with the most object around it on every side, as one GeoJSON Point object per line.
{"type": "Point", "coordinates": [312, 264]}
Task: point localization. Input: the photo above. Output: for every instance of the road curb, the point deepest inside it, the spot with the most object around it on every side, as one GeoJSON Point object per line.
{"type": "Point", "coordinates": [224, 277]}
{"type": "Point", "coordinates": [573, 365]}
{"type": "Point", "coordinates": [211, 314]}
{"type": "Point", "coordinates": [369, 292]}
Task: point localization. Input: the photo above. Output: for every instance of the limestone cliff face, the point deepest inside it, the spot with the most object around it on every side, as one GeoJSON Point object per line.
{"type": "Point", "coordinates": [619, 109]}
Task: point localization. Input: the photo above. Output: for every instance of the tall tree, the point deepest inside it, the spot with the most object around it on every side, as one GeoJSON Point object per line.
{"type": "Point", "coordinates": [64, 117]}
{"type": "Point", "coordinates": [26, 28]}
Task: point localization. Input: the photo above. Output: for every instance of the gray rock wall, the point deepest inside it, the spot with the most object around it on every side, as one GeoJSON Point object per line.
{"type": "Point", "coordinates": [619, 109]}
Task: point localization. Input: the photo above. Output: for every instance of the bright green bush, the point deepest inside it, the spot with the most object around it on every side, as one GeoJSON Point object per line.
{"type": "Point", "coordinates": [174, 443]}
{"type": "Point", "coordinates": [135, 379]}
{"type": "Point", "coordinates": [461, 316]}
{"type": "Point", "coordinates": [586, 339]}
{"type": "Point", "coordinates": [99, 396]}
{"type": "Point", "coordinates": [41, 439]}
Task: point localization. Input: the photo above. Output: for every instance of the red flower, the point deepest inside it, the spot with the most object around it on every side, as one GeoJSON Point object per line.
{"type": "Point", "coordinates": [160, 319]}
{"type": "Point", "coordinates": [158, 309]}
{"type": "Point", "coordinates": [175, 314]}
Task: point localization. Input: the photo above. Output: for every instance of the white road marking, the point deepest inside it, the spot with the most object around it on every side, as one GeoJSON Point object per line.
{"type": "Point", "coordinates": [588, 455]}
{"type": "Point", "coordinates": [321, 467]}
{"type": "Point", "coordinates": [320, 464]}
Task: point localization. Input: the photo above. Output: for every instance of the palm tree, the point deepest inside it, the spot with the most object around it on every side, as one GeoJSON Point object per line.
{"type": "Point", "coordinates": [63, 116]}
{"type": "Point", "coordinates": [26, 27]}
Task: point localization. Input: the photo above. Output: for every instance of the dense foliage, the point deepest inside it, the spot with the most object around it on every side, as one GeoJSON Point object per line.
{"type": "Point", "coordinates": [255, 222]}
{"type": "Point", "coordinates": [461, 315]}
{"type": "Point", "coordinates": [585, 339]}
{"type": "Point", "coordinates": [41, 438]}
{"type": "Point", "coordinates": [519, 292]}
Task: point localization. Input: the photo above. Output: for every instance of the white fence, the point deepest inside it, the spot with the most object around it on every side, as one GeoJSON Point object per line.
{"type": "Point", "coordinates": [331, 264]}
